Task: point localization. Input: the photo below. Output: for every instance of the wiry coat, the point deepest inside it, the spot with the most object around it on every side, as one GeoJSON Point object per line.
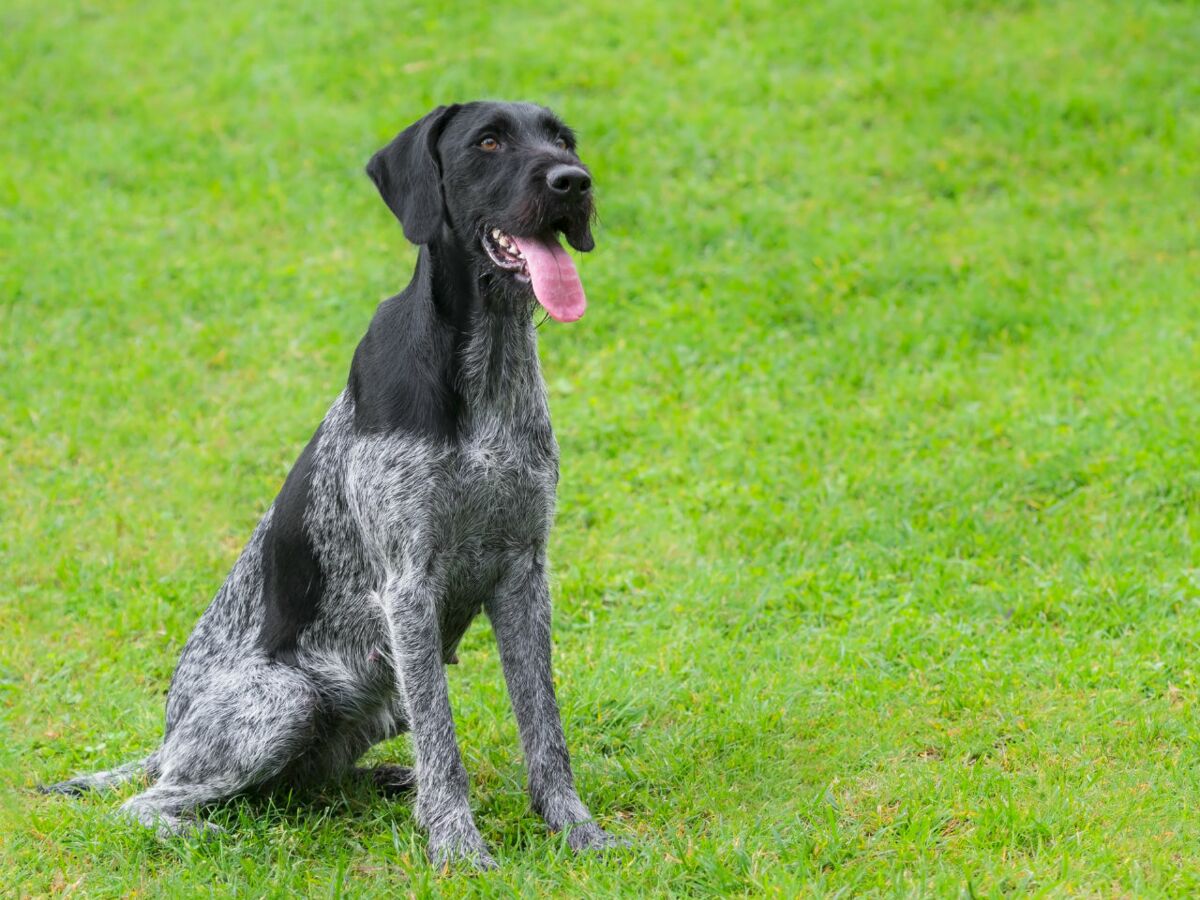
{"type": "Point", "coordinates": [425, 497]}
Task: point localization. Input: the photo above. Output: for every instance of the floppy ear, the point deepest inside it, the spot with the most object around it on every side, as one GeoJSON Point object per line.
{"type": "Point", "coordinates": [409, 175]}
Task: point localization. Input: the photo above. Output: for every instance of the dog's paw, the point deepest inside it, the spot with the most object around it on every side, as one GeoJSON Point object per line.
{"type": "Point", "coordinates": [194, 829]}
{"type": "Point", "coordinates": [461, 849]}
{"type": "Point", "coordinates": [188, 828]}
{"type": "Point", "coordinates": [588, 836]}
{"type": "Point", "coordinates": [392, 780]}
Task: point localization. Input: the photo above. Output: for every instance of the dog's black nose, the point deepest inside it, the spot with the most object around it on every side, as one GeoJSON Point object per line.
{"type": "Point", "coordinates": [569, 180]}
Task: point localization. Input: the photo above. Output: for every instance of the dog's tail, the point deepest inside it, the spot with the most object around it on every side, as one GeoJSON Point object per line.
{"type": "Point", "coordinates": [100, 781]}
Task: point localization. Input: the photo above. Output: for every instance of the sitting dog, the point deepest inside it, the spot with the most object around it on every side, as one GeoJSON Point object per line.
{"type": "Point", "coordinates": [425, 496]}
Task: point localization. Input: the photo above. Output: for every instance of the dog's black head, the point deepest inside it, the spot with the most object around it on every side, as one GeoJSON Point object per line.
{"type": "Point", "coordinates": [500, 180]}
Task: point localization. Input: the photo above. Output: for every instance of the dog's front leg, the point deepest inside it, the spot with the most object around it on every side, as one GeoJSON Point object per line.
{"type": "Point", "coordinates": [442, 806]}
{"type": "Point", "coordinates": [520, 616]}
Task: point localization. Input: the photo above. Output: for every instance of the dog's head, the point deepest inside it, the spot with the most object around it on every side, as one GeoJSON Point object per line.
{"type": "Point", "coordinates": [502, 180]}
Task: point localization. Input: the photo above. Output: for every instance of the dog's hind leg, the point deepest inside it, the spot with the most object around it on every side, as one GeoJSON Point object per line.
{"type": "Point", "coordinates": [241, 729]}
{"type": "Point", "coordinates": [167, 807]}
{"type": "Point", "coordinates": [336, 755]}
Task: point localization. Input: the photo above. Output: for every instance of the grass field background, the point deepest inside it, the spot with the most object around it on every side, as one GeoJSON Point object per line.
{"type": "Point", "coordinates": [875, 562]}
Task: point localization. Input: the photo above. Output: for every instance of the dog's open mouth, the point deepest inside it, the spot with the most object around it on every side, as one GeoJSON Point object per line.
{"type": "Point", "coordinates": [542, 262]}
{"type": "Point", "coordinates": [505, 253]}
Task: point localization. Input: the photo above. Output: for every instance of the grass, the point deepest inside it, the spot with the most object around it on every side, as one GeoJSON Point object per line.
{"type": "Point", "coordinates": [876, 564]}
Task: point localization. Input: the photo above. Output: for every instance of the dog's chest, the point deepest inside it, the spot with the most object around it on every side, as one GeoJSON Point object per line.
{"type": "Point", "coordinates": [463, 504]}
{"type": "Point", "coordinates": [490, 490]}
{"type": "Point", "coordinates": [497, 487]}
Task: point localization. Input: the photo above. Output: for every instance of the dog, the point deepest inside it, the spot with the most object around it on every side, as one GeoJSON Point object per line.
{"type": "Point", "coordinates": [424, 497]}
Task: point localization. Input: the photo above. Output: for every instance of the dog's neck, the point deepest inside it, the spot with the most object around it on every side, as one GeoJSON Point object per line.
{"type": "Point", "coordinates": [495, 353]}
{"type": "Point", "coordinates": [449, 352]}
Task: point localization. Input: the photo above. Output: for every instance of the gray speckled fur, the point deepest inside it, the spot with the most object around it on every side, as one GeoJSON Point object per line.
{"type": "Point", "coordinates": [416, 537]}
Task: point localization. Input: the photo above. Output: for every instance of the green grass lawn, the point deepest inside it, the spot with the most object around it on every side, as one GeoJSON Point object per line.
{"type": "Point", "coordinates": [876, 564]}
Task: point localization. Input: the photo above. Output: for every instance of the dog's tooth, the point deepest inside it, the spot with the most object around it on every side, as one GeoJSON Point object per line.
{"type": "Point", "coordinates": [496, 233]}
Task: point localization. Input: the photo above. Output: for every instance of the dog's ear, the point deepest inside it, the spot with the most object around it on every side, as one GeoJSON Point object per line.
{"type": "Point", "coordinates": [409, 175]}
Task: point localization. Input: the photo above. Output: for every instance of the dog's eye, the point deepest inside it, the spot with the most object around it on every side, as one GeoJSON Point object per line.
{"type": "Point", "coordinates": [560, 143]}
{"type": "Point", "coordinates": [490, 144]}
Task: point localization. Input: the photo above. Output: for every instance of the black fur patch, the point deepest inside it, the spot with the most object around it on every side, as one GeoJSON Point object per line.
{"type": "Point", "coordinates": [293, 581]}
{"type": "Point", "coordinates": [403, 374]}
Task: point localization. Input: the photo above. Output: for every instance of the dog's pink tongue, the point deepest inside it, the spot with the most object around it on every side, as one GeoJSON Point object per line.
{"type": "Point", "coordinates": [555, 282]}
